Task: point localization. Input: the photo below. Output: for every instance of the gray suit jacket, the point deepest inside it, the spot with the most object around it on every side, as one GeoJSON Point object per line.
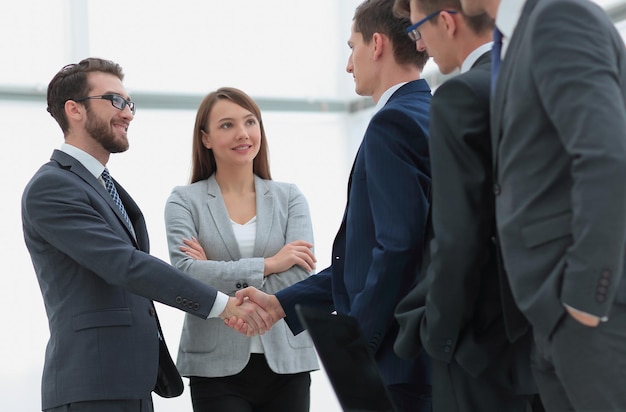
{"type": "Point", "coordinates": [559, 130]}
{"type": "Point", "coordinates": [458, 311]}
{"type": "Point", "coordinates": [209, 348]}
{"type": "Point", "coordinates": [97, 283]}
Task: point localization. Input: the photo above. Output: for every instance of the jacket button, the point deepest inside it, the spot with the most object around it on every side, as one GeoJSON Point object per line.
{"type": "Point", "coordinates": [600, 298]}
{"type": "Point", "coordinates": [238, 285]}
{"type": "Point", "coordinates": [179, 299]}
{"type": "Point", "coordinates": [496, 189]}
{"type": "Point", "coordinates": [151, 312]}
{"type": "Point", "coordinates": [196, 306]}
{"type": "Point", "coordinates": [245, 285]}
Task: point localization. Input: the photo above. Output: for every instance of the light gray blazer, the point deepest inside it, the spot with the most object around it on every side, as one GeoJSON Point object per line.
{"type": "Point", "coordinates": [209, 348]}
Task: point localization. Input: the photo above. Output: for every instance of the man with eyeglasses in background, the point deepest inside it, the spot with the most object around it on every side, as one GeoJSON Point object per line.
{"type": "Point", "coordinates": [459, 319]}
{"type": "Point", "coordinates": [88, 242]}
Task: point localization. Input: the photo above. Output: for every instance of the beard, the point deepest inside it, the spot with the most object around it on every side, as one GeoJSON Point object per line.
{"type": "Point", "coordinates": [104, 134]}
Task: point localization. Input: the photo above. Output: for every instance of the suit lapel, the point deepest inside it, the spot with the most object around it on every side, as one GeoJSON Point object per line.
{"type": "Point", "coordinates": [221, 219]}
{"type": "Point", "coordinates": [498, 102]}
{"type": "Point", "coordinates": [264, 215]}
{"type": "Point", "coordinates": [74, 166]}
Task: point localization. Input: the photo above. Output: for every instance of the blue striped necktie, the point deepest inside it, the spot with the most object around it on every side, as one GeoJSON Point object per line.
{"type": "Point", "coordinates": [108, 183]}
{"type": "Point", "coordinates": [496, 51]}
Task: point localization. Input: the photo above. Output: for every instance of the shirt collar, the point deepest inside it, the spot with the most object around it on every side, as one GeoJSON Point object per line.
{"type": "Point", "coordinates": [384, 98]}
{"type": "Point", "coordinates": [509, 12]}
{"type": "Point", "coordinates": [471, 58]}
{"type": "Point", "coordinates": [87, 160]}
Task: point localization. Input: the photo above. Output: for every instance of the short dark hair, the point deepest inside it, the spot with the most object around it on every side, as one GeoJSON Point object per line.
{"type": "Point", "coordinates": [377, 16]}
{"type": "Point", "coordinates": [479, 24]}
{"type": "Point", "coordinates": [71, 83]}
{"type": "Point", "coordinates": [202, 159]}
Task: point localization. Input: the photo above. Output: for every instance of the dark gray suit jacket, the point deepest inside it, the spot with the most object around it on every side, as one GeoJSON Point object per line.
{"type": "Point", "coordinates": [559, 130]}
{"type": "Point", "coordinates": [460, 314]}
{"type": "Point", "coordinates": [97, 283]}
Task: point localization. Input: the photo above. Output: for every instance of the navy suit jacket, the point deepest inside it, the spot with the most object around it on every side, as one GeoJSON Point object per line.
{"type": "Point", "coordinates": [98, 283]}
{"type": "Point", "coordinates": [377, 252]}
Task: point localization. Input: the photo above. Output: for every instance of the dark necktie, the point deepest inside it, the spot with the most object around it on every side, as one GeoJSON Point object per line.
{"type": "Point", "coordinates": [108, 183]}
{"type": "Point", "coordinates": [496, 51]}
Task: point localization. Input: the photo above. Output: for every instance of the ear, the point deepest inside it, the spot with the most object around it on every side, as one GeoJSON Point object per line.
{"type": "Point", "coordinates": [378, 42]}
{"type": "Point", "coordinates": [447, 19]}
{"type": "Point", "coordinates": [73, 110]}
{"type": "Point", "coordinates": [206, 139]}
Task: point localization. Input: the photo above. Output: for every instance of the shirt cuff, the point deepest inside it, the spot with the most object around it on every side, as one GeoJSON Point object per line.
{"type": "Point", "coordinates": [219, 305]}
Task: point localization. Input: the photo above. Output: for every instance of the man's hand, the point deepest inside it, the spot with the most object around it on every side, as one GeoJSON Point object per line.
{"type": "Point", "coordinates": [582, 317]}
{"type": "Point", "coordinates": [246, 317]}
{"type": "Point", "coordinates": [269, 303]}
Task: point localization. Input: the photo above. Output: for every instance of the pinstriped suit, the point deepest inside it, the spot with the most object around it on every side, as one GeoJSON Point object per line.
{"type": "Point", "coordinates": [378, 248]}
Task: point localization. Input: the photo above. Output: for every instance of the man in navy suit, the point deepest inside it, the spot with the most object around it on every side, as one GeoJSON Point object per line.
{"type": "Point", "coordinates": [378, 250]}
{"type": "Point", "coordinates": [88, 242]}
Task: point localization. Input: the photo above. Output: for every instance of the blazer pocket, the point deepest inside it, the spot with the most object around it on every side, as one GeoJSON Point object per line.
{"type": "Point", "coordinates": [547, 230]}
{"type": "Point", "coordinates": [103, 318]}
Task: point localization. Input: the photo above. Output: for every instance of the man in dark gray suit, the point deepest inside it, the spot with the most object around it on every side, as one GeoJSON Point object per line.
{"type": "Point", "coordinates": [559, 138]}
{"type": "Point", "coordinates": [459, 319]}
{"type": "Point", "coordinates": [88, 242]}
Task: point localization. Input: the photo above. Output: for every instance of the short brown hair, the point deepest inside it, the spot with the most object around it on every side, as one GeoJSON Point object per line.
{"type": "Point", "coordinates": [71, 83]}
{"type": "Point", "coordinates": [479, 24]}
{"type": "Point", "coordinates": [377, 16]}
{"type": "Point", "coordinates": [203, 159]}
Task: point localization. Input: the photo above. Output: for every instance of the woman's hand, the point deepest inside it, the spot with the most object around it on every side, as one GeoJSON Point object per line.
{"type": "Point", "coordinates": [193, 249]}
{"type": "Point", "coordinates": [297, 252]}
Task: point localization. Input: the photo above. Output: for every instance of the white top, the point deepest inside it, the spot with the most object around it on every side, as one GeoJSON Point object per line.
{"type": "Point", "coordinates": [246, 235]}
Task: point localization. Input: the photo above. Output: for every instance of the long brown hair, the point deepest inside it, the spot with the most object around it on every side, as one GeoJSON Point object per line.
{"type": "Point", "coordinates": [203, 160]}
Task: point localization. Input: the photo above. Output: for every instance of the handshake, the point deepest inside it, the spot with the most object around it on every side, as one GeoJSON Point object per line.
{"type": "Point", "coordinates": [252, 312]}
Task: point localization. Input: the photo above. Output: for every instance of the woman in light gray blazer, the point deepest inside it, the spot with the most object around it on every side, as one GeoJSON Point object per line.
{"type": "Point", "coordinates": [234, 227]}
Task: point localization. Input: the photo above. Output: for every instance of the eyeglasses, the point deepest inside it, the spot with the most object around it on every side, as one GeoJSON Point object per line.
{"type": "Point", "coordinates": [116, 100]}
{"type": "Point", "coordinates": [412, 31]}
